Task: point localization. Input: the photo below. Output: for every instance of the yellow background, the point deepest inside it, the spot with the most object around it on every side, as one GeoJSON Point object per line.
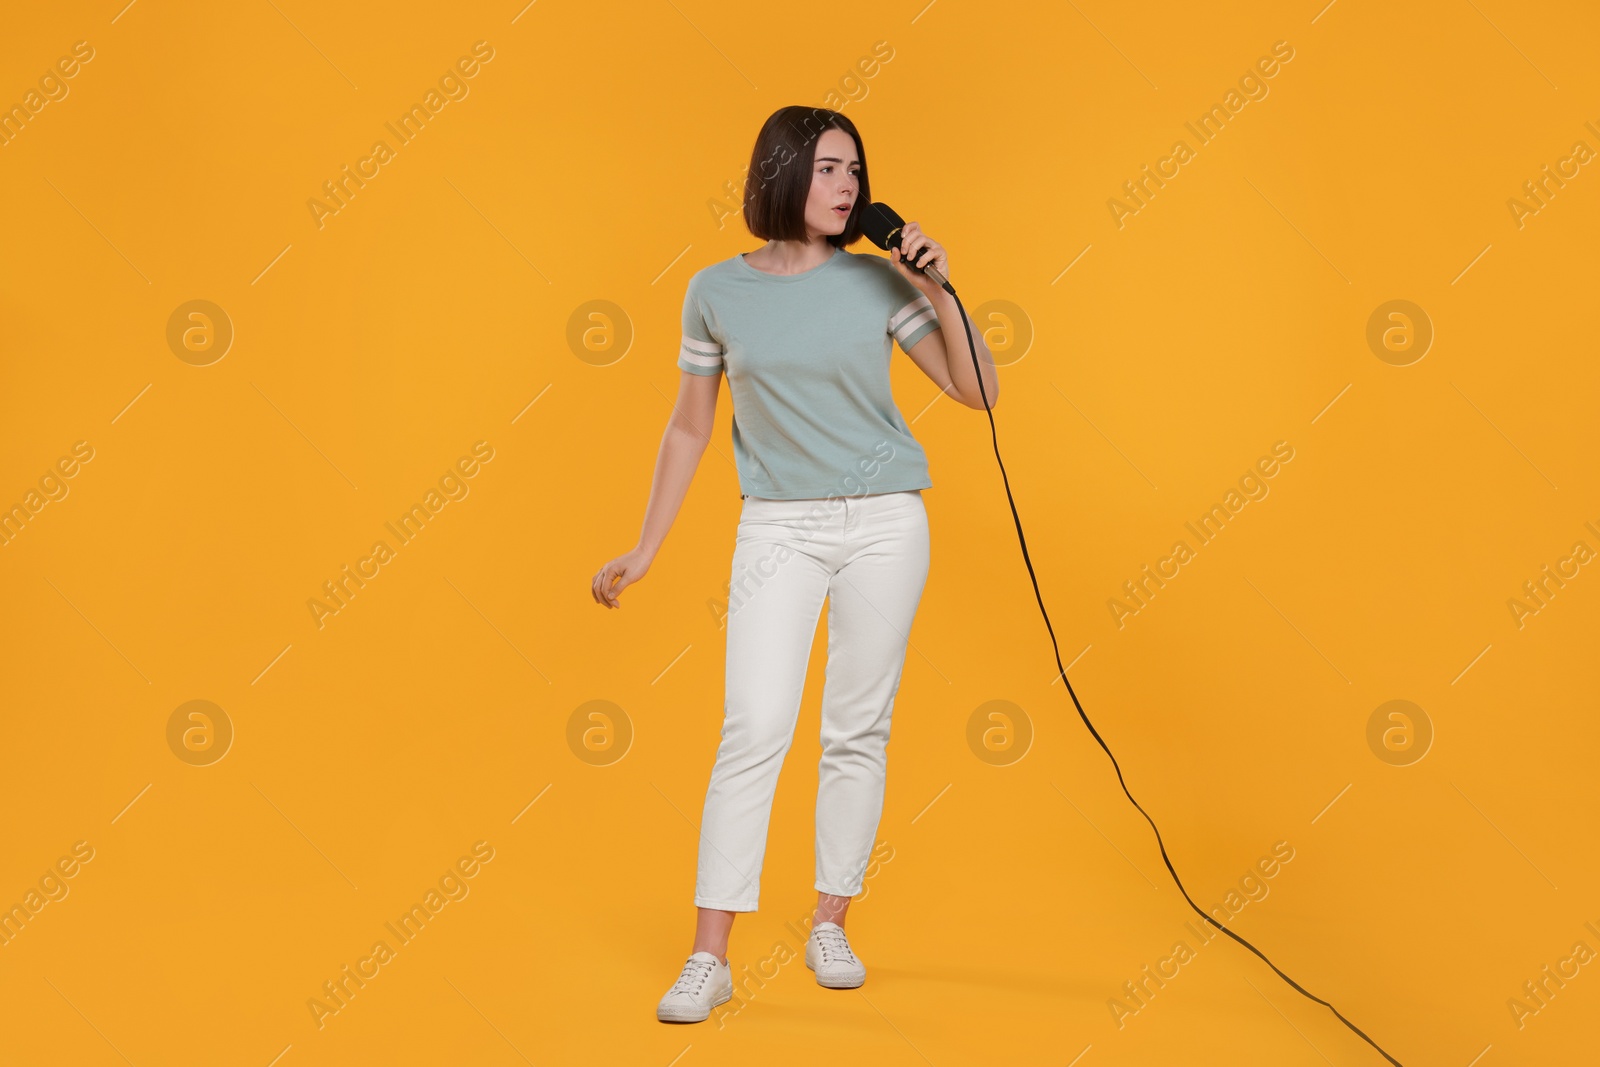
{"type": "Point", "coordinates": [435, 310]}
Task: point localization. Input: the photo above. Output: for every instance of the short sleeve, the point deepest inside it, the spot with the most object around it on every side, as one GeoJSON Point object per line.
{"type": "Point", "coordinates": [699, 353]}
{"type": "Point", "coordinates": [913, 317]}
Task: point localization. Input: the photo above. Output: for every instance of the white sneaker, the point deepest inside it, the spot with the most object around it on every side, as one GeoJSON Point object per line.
{"type": "Point", "coordinates": [828, 953]}
{"type": "Point", "coordinates": [705, 982]}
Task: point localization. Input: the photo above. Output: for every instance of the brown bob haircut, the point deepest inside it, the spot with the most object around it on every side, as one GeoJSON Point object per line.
{"type": "Point", "coordinates": [779, 180]}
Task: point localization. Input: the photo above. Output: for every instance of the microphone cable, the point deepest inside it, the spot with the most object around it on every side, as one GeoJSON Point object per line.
{"type": "Point", "coordinates": [1061, 671]}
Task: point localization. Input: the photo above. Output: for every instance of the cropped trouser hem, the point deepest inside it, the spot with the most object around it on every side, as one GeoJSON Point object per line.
{"type": "Point", "coordinates": [725, 905]}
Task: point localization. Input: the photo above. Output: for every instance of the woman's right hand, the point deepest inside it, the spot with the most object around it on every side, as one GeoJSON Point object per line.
{"type": "Point", "coordinates": [617, 575]}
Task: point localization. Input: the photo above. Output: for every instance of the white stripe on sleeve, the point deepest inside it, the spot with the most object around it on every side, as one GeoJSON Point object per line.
{"type": "Point", "coordinates": [706, 354]}
{"type": "Point", "coordinates": [908, 324]}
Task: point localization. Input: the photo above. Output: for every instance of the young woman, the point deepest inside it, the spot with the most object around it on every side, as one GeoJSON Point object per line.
{"type": "Point", "coordinates": [832, 485]}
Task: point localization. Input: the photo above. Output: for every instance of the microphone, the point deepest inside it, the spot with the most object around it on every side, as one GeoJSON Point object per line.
{"type": "Point", "coordinates": [882, 227]}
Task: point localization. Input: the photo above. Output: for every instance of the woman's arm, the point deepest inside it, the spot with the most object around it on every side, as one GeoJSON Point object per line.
{"type": "Point", "coordinates": [684, 441]}
{"type": "Point", "coordinates": [687, 434]}
{"type": "Point", "coordinates": [944, 354]}
{"type": "Point", "coordinates": [949, 362]}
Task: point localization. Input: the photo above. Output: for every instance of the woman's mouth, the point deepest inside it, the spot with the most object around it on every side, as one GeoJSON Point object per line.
{"type": "Point", "coordinates": [842, 209]}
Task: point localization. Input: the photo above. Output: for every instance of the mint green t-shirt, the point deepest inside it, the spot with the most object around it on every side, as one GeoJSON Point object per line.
{"type": "Point", "coordinates": [807, 357]}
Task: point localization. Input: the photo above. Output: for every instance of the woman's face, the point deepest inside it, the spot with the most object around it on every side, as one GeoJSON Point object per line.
{"type": "Point", "coordinates": [835, 183]}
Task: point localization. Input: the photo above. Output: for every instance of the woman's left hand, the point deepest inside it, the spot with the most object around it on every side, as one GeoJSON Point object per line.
{"type": "Point", "coordinates": [919, 248]}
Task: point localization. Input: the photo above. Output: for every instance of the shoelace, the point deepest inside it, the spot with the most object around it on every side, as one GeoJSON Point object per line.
{"type": "Point", "coordinates": [834, 946]}
{"type": "Point", "coordinates": [694, 974]}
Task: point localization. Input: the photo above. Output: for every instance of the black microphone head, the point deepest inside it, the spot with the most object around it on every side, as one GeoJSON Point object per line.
{"type": "Point", "coordinates": [882, 226]}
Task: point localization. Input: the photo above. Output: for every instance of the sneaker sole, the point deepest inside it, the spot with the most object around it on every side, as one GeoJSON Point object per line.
{"type": "Point", "coordinates": [837, 983]}
{"type": "Point", "coordinates": [683, 1016]}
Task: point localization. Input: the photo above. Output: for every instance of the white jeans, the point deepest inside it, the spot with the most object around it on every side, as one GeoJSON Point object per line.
{"type": "Point", "coordinates": [869, 556]}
